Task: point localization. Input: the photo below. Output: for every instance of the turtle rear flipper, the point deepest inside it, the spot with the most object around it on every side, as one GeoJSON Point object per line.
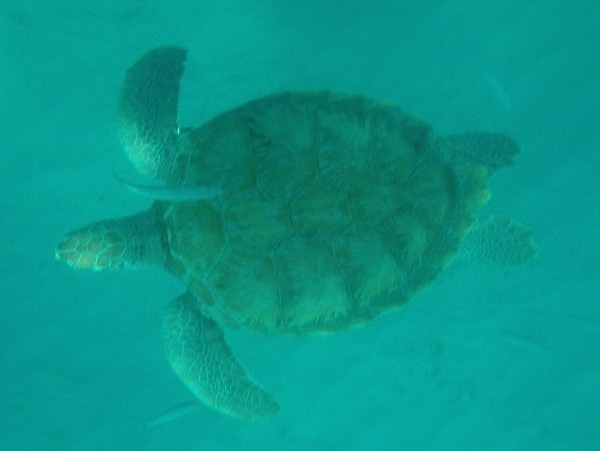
{"type": "Point", "coordinates": [499, 241]}
{"type": "Point", "coordinates": [199, 355]}
{"type": "Point", "coordinates": [147, 111]}
{"type": "Point", "coordinates": [492, 150]}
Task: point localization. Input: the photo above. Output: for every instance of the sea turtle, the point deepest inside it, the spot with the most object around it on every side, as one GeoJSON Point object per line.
{"type": "Point", "coordinates": [297, 213]}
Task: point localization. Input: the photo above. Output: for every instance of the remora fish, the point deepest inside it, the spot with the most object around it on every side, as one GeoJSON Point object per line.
{"type": "Point", "coordinates": [174, 413]}
{"type": "Point", "coordinates": [171, 192]}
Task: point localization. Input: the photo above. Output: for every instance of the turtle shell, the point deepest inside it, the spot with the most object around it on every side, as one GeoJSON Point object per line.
{"type": "Point", "coordinates": [333, 208]}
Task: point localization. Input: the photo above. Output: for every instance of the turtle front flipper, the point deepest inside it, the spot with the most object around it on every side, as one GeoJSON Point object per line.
{"type": "Point", "coordinates": [198, 353]}
{"type": "Point", "coordinates": [147, 111]}
{"type": "Point", "coordinates": [499, 241]}
{"type": "Point", "coordinates": [492, 150]}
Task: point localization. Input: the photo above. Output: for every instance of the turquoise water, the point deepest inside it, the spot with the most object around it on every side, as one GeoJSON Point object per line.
{"type": "Point", "coordinates": [486, 358]}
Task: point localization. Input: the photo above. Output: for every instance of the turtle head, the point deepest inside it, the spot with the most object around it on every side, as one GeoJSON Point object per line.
{"type": "Point", "coordinates": [115, 243]}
